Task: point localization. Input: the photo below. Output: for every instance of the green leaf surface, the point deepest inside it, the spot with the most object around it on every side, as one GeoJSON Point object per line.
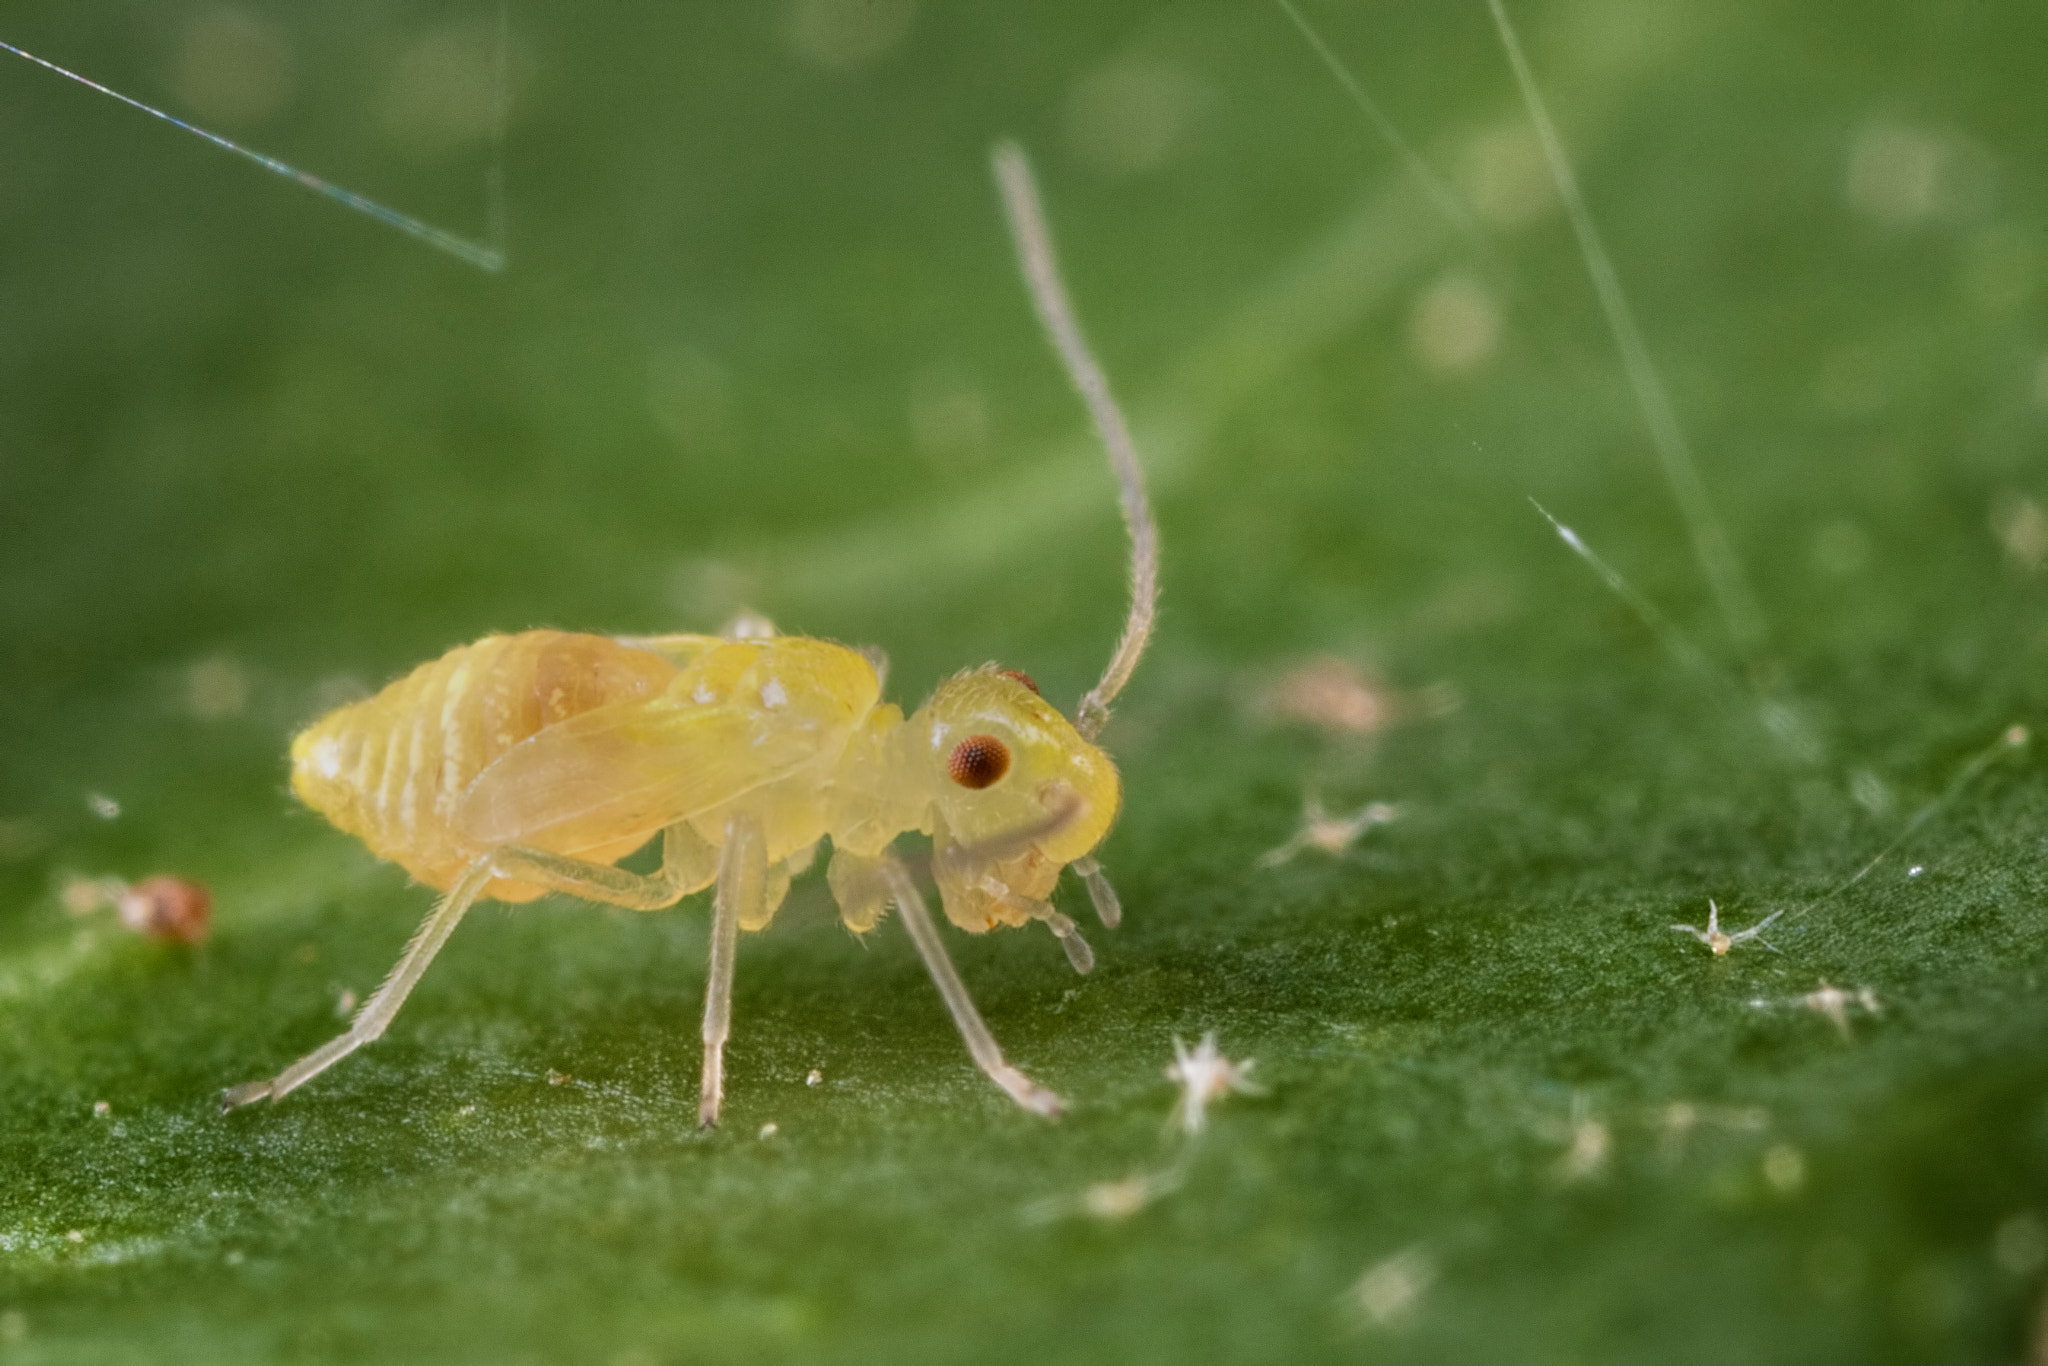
{"type": "Point", "coordinates": [762, 343]}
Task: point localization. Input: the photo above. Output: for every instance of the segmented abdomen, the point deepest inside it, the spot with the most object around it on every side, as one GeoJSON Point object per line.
{"type": "Point", "coordinates": [391, 768]}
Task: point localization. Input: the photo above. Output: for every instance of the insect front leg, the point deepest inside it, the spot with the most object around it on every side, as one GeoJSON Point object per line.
{"type": "Point", "coordinates": [688, 863]}
{"type": "Point", "coordinates": [742, 894]}
{"type": "Point", "coordinates": [376, 1014]}
{"type": "Point", "coordinates": [980, 1043]}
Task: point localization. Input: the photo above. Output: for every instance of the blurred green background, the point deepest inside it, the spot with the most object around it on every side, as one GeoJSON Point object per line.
{"type": "Point", "coordinates": [762, 343]}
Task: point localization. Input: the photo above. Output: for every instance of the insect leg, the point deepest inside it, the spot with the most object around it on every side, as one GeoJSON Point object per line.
{"type": "Point", "coordinates": [375, 1016]}
{"type": "Point", "coordinates": [980, 1043]}
{"type": "Point", "coordinates": [1107, 905]}
{"type": "Point", "coordinates": [1079, 955]}
{"type": "Point", "coordinates": [687, 864]}
{"type": "Point", "coordinates": [742, 887]}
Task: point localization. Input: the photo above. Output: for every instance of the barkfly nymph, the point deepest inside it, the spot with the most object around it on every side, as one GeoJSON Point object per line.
{"type": "Point", "coordinates": [531, 763]}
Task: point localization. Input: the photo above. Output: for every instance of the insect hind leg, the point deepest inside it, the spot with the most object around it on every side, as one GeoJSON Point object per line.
{"type": "Point", "coordinates": [376, 1015]}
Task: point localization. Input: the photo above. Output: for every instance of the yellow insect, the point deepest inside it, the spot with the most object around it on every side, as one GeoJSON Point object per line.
{"type": "Point", "coordinates": [530, 763]}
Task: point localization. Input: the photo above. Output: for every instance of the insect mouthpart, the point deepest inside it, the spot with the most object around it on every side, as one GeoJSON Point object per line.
{"type": "Point", "coordinates": [978, 761]}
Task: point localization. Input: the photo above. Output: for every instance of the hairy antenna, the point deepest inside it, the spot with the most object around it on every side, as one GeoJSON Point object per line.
{"type": "Point", "coordinates": [1042, 276]}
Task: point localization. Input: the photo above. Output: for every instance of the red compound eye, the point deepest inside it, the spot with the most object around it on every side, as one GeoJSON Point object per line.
{"type": "Point", "coordinates": [978, 761]}
{"type": "Point", "coordinates": [1020, 676]}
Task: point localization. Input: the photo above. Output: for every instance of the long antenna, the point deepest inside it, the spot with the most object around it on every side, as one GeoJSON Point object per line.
{"type": "Point", "coordinates": [1042, 276]}
{"type": "Point", "coordinates": [484, 256]}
